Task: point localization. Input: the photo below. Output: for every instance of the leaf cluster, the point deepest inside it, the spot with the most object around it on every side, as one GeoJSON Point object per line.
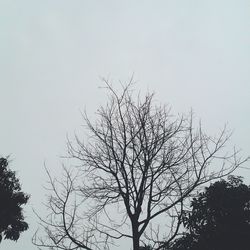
{"type": "Point", "coordinates": [219, 218]}
{"type": "Point", "coordinates": [11, 215]}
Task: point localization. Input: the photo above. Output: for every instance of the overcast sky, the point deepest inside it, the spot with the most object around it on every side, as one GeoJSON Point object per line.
{"type": "Point", "coordinates": [193, 54]}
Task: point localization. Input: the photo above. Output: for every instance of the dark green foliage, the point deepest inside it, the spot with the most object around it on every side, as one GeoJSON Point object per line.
{"type": "Point", "coordinates": [11, 217]}
{"type": "Point", "coordinates": [219, 219]}
{"type": "Point", "coordinates": [147, 247]}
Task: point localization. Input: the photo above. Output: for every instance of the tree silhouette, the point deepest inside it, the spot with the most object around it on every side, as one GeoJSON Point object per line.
{"type": "Point", "coordinates": [219, 219]}
{"type": "Point", "coordinates": [138, 166]}
{"type": "Point", "coordinates": [11, 216]}
{"type": "Point", "coordinates": [145, 248]}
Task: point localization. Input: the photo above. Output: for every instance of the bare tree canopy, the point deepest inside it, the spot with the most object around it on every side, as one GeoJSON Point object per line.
{"type": "Point", "coordinates": [135, 173]}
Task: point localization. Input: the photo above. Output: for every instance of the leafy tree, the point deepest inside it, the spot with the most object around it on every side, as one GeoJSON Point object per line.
{"type": "Point", "coordinates": [219, 219]}
{"type": "Point", "coordinates": [11, 215]}
{"type": "Point", "coordinates": [137, 167]}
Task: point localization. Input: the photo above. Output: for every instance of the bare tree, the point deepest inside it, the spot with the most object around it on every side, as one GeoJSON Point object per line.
{"type": "Point", "coordinates": [136, 171]}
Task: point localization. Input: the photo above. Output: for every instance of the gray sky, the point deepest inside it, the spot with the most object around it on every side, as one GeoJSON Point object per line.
{"type": "Point", "coordinates": [53, 53]}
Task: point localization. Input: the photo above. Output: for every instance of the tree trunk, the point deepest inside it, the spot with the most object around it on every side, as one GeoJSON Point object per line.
{"type": "Point", "coordinates": [136, 243]}
{"type": "Point", "coordinates": [136, 238]}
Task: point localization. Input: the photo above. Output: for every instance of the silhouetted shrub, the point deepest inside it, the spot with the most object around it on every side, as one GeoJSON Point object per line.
{"type": "Point", "coordinates": [219, 219]}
